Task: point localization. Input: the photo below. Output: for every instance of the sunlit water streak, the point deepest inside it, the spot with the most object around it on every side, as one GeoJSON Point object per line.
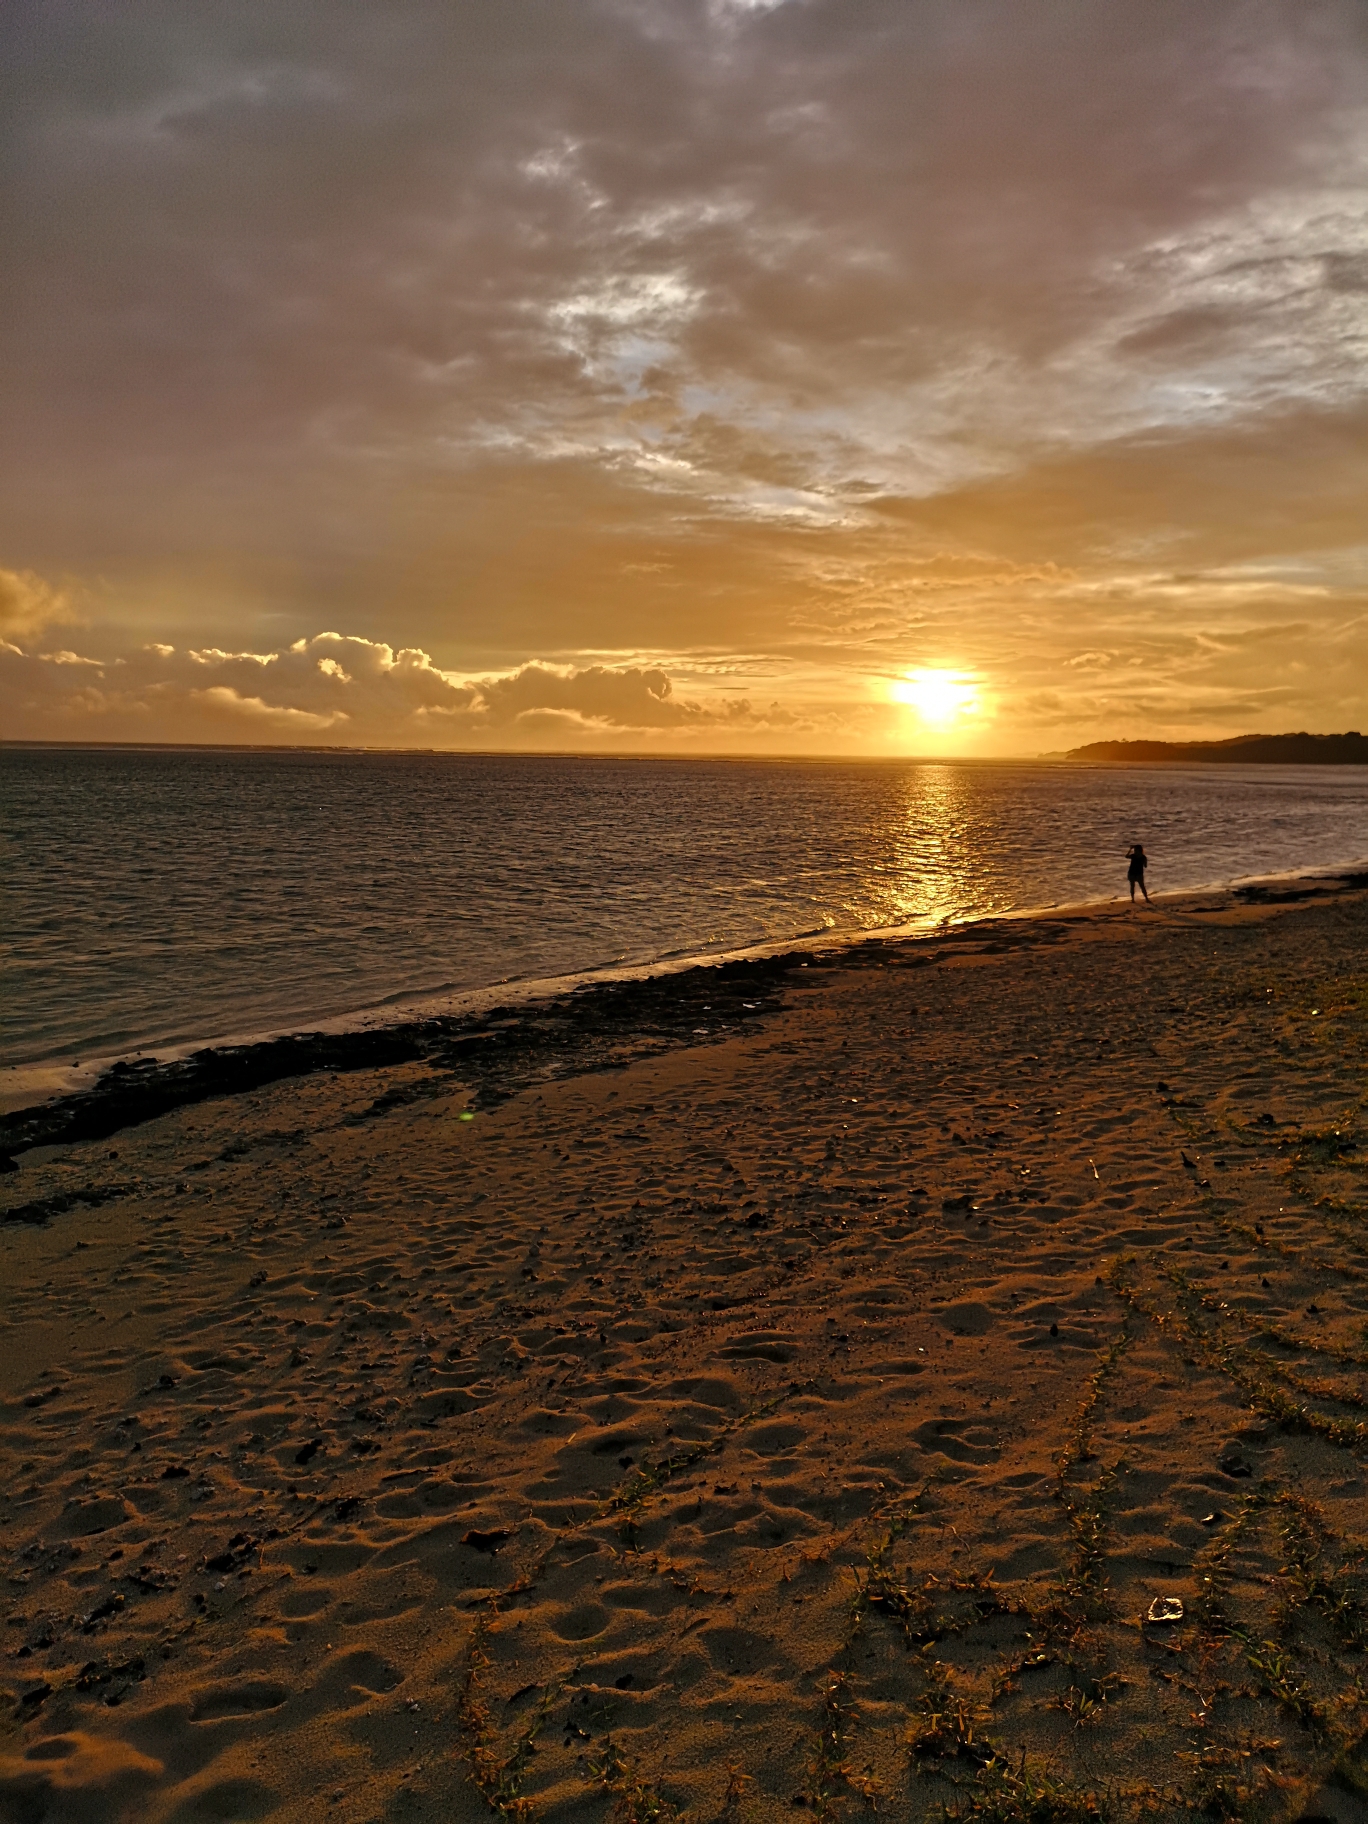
{"type": "Point", "coordinates": [158, 898]}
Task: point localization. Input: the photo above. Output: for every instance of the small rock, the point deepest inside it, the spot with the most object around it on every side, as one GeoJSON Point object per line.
{"type": "Point", "coordinates": [1165, 1609]}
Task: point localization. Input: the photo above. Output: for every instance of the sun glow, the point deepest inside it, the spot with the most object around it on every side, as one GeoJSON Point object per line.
{"type": "Point", "coordinates": [940, 698]}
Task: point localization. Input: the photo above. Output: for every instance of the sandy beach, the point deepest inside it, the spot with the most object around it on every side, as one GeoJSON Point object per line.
{"type": "Point", "coordinates": [782, 1390]}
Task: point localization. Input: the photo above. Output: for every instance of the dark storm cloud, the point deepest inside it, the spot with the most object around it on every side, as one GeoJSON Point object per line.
{"type": "Point", "coordinates": [518, 329]}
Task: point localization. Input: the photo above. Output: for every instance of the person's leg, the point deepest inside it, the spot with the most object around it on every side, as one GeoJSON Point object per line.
{"type": "Point", "coordinates": [1132, 888]}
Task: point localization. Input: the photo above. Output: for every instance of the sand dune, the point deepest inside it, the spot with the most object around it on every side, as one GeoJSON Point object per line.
{"type": "Point", "coordinates": [793, 1414]}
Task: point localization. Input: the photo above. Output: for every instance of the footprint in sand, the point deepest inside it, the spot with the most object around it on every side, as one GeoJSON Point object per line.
{"type": "Point", "coordinates": [959, 1439]}
{"type": "Point", "coordinates": [584, 1622]}
{"type": "Point", "coordinates": [82, 1776]}
{"type": "Point", "coordinates": [356, 1677]}
{"type": "Point", "coordinates": [216, 1702]}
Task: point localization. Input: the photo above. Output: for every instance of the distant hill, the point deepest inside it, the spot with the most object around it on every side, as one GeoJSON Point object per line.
{"type": "Point", "coordinates": [1241, 750]}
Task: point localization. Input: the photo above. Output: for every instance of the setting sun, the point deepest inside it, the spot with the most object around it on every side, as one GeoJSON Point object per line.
{"type": "Point", "coordinates": [939, 697]}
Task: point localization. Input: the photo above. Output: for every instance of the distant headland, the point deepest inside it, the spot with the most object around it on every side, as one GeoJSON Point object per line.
{"type": "Point", "coordinates": [1240, 750]}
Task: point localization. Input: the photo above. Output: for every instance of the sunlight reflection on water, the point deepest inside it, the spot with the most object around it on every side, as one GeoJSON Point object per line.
{"type": "Point", "coordinates": [932, 846]}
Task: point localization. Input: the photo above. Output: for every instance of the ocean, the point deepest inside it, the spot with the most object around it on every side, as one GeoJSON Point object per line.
{"type": "Point", "coordinates": [162, 898]}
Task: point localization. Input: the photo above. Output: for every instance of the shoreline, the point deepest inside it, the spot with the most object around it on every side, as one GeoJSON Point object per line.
{"type": "Point", "coordinates": [99, 1098]}
{"type": "Point", "coordinates": [619, 1413]}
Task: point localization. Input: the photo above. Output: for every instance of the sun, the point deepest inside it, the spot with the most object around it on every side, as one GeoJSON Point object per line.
{"type": "Point", "coordinates": [939, 697]}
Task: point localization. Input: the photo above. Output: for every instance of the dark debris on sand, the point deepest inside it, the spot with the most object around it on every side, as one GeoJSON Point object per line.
{"type": "Point", "coordinates": [496, 1053]}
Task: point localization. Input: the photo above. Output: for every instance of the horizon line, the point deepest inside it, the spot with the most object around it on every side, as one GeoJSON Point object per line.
{"type": "Point", "coordinates": [1084, 754]}
{"type": "Point", "coordinates": [497, 753]}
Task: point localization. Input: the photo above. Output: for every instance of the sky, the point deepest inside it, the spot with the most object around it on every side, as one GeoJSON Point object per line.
{"type": "Point", "coordinates": [854, 377]}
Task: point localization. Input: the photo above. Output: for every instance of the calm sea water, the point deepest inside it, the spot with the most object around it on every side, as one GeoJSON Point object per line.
{"type": "Point", "coordinates": [157, 898]}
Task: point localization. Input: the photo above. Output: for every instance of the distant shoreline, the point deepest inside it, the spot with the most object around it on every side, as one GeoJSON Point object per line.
{"type": "Point", "coordinates": [1241, 750]}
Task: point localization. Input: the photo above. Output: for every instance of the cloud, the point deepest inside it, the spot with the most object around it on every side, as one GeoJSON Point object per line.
{"type": "Point", "coordinates": [1252, 651]}
{"type": "Point", "coordinates": [629, 698]}
{"type": "Point", "coordinates": [379, 696]}
{"type": "Point", "coordinates": [252, 710]}
{"type": "Point", "coordinates": [850, 333]}
{"type": "Point", "coordinates": [908, 243]}
{"type": "Point", "coordinates": [28, 604]}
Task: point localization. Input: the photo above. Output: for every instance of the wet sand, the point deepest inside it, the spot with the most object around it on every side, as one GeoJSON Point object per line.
{"type": "Point", "coordinates": [783, 1390]}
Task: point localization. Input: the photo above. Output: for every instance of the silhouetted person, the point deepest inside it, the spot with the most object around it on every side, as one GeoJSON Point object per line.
{"type": "Point", "coordinates": [1135, 874]}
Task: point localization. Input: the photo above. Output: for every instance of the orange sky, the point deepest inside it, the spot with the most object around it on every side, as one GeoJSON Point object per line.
{"type": "Point", "coordinates": [685, 375]}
